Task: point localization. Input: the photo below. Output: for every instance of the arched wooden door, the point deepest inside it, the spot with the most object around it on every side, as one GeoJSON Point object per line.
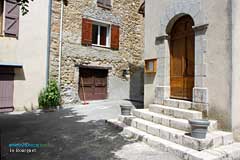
{"type": "Point", "coordinates": [182, 59]}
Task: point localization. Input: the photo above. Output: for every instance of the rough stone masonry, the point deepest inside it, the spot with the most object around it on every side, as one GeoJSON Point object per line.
{"type": "Point", "coordinates": [128, 57]}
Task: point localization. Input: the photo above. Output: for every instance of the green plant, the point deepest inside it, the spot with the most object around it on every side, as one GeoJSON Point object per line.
{"type": "Point", "coordinates": [49, 96]}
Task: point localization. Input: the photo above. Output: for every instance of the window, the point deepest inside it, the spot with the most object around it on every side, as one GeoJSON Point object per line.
{"type": "Point", "coordinates": [100, 34]}
{"type": "Point", "coordinates": [104, 4]}
{"type": "Point", "coordinates": [9, 18]}
{"type": "Point", "coordinates": [151, 66]}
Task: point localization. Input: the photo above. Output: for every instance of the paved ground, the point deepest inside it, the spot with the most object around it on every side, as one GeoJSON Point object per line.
{"type": "Point", "coordinates": [74, 133]}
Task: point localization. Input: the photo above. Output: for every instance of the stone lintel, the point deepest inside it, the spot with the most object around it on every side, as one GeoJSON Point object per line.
{"type": "Point", "coordinates": [200, 28]}
{"type": "Point", "coordinates": [160, 39]}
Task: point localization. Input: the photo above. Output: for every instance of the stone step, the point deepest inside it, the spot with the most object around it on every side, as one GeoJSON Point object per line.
{"type": "Point", "coordinates": [175, 112]}
{"type": "Point", "coordinates": [168, 121]}
{"type": "Point", "coordinates": [226, 152]}
{"type": "Point", "coordinates": [178, 103]}
{"type": "Point", "coordinates": [213, 139]}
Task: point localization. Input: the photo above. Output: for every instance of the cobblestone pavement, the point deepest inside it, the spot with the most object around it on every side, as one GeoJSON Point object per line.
{"type": "Point", "coordinates": [73, 133]}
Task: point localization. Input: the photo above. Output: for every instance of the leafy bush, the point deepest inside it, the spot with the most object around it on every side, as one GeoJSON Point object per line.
{"type": "Point", "coordinates": [50, 96]}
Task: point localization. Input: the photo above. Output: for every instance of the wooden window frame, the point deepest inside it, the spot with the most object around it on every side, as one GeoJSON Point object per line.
{"type": "Point", "coordinates": [146, 66]}
{"type": "Point", "coordinates": [108, 35]}
{"type": "Point", "coordinates": [112, 34]}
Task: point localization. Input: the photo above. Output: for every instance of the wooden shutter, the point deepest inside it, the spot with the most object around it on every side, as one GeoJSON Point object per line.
{"type": "Point", "coordinates": [86, 32]}
{"type": "Point", "coordinates": [11, 18]}
{"type": "Point", "coordinates": [115, 37]}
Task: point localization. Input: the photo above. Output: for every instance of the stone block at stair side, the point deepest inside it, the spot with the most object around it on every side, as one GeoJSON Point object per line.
{"type": "Point", "coordinates": [126, 119]}
{"type": "Point", "coordinates": [187, 115]}
{"type": "Point", "coordinates": [175, 112]}
{"type": "Point", "coordinates": [178, 103]}
{"type": "Point", "coordinates": [171, 103]}
{"type": "Point", "coordinates": [142, 126]}
{"type": "Point", "coordinates": [157, 120]}
{"type": "Point", "coordinates": [153, 131]}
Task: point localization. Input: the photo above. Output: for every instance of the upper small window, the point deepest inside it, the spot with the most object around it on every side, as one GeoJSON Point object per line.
{"type": "Point", "coordinates": [104, 4]}
{"type": "Point", "coordinates": [100, 34]}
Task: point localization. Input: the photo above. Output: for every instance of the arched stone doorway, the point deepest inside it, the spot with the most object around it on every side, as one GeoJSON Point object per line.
{"type": "Point", "coordinates": [173, 14]}
{"type": "Point", "coordinates": [182, 59]}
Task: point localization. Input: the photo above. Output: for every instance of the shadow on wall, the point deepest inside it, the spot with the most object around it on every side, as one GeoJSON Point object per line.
{"type": "Point", "coordinates": [136, 85]}
{"type": "Point", "coordinates": [19, 74]}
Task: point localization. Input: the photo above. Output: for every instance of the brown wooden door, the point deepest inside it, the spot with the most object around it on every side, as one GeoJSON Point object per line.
{"type": "Point", "coordinates": [92, 84]}
{"type": "Point", "coordinates": [182, 59]}
{"type": "Point", "coordinates": [6, 89]}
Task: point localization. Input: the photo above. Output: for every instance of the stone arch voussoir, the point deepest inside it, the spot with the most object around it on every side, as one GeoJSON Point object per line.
{"type": "Point", "coordinates": [178, 9]}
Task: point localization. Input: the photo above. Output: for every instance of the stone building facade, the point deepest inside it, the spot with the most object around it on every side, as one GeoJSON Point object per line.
{"type": "Point", "coordinates": [123, 64]}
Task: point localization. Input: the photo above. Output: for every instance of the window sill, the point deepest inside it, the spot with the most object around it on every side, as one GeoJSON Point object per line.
{"type": "Point", "coordinates": [100, 46]}
{"type": "Point", "coordinates": [150, 72]}
{"type": "Point", "coordinates": [8, 36]}
{"type": "Point", "coordinates": [104, 6]}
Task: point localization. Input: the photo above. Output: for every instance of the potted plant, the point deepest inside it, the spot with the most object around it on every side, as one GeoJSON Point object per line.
{"type": "Point", "coordinates": [199, 128]}
{"type": "Point", "coordinates": [49, 97]}
{"type": "Point", "coordinates": [126, 109]}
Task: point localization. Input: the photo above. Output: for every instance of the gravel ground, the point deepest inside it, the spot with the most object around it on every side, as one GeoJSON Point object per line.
{"type": "Point", "coordinates": [73, 133]}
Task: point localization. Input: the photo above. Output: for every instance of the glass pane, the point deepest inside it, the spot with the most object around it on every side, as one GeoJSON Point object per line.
{"type": "Point", "coordinates": [150, 66]}
{"type": "Point", "coordinates": [103, 35]}
{"type": "Point", "coordinates": [94, 34]}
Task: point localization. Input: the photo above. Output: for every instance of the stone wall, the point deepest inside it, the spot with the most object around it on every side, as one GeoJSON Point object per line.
{"type": "Point", "coordinates": [129, 56]}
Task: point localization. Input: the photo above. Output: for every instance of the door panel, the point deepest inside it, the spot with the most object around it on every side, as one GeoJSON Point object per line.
{"type": "Point", "coordinates": [6, 89]}
{"type": "Point", "coordinates": [93, 84]}
{"type": "Point", "coordinates": [182, 59]}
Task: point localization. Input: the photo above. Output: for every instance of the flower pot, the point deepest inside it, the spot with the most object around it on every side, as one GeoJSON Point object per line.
{"type": "Point", "coordinates": [199, 128]}
{"type": "Point", "coordinates": [126, 110]}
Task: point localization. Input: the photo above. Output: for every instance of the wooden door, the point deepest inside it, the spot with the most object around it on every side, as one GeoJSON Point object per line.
{"type": "Point", "coordinates": [6, 89]}
{"type": "Point", "coordinates": [182, 59]}
{"type": "Point", "coordinates": [93, 84]}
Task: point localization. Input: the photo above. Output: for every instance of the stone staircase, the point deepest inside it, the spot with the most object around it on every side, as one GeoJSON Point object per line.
{"type": "Point", "coordinates": [166, 127]}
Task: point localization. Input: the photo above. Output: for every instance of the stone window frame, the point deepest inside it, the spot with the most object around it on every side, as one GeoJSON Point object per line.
{"type": "Point", "coordinates": [104, 5]}
{"type": "Point", "coordinates": [108, 35]}
{"type": "Point", "coordinates": [172, 14]}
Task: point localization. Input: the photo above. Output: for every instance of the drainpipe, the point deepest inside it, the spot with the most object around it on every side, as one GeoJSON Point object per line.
{"type": "Point", "coordinates": [49, 40]}
{"type": "Point", "coordinates": [60, 45]}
